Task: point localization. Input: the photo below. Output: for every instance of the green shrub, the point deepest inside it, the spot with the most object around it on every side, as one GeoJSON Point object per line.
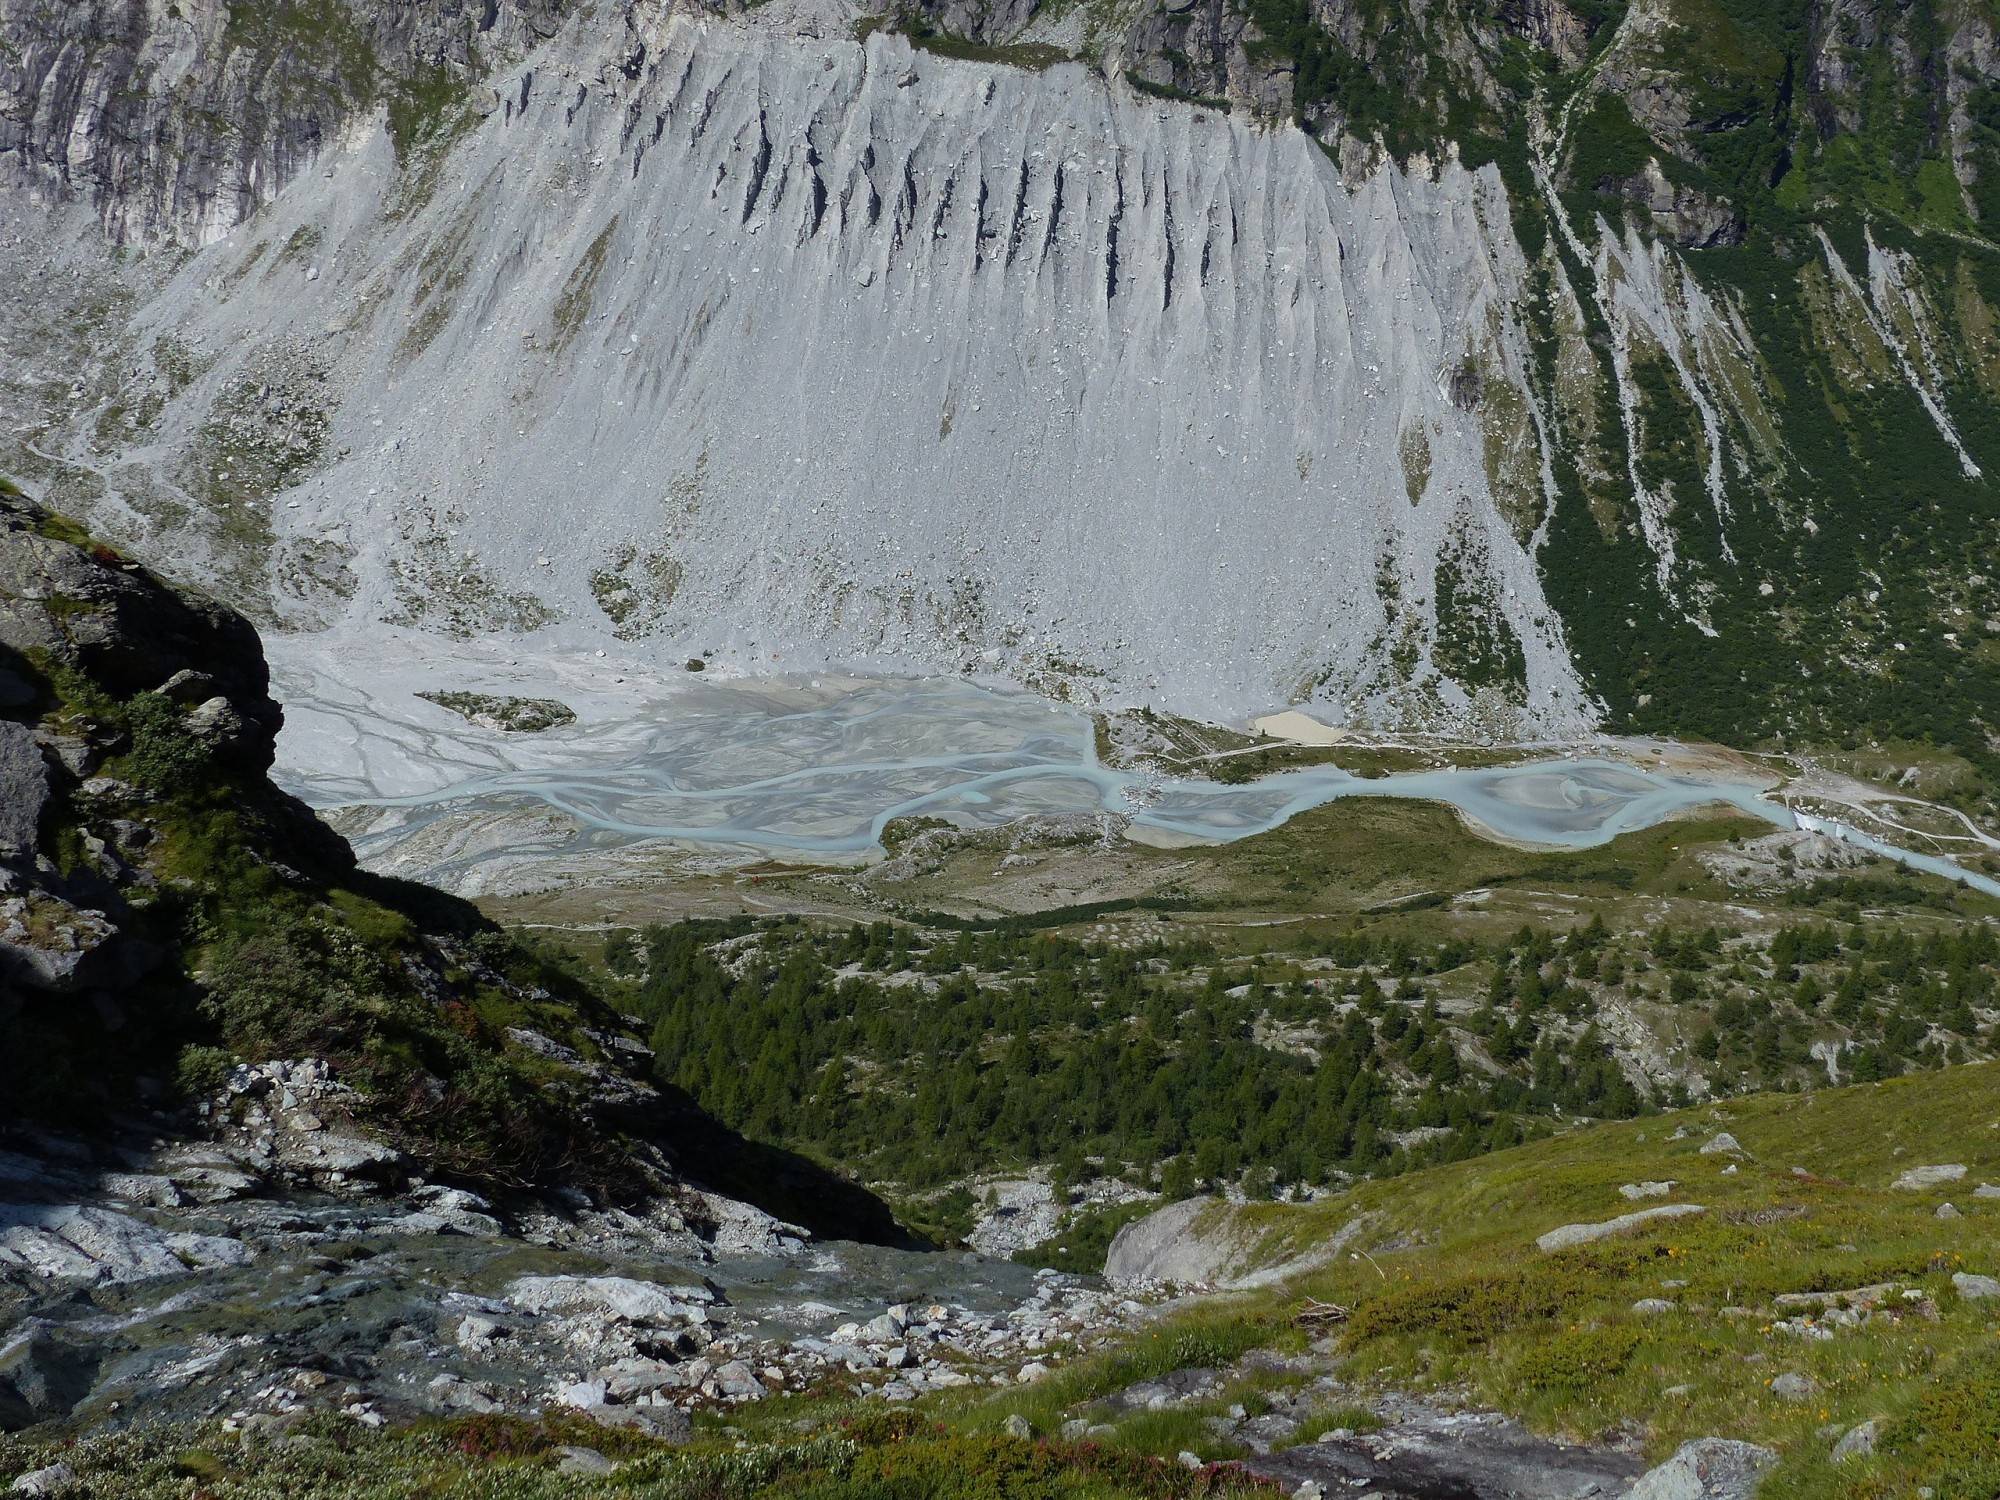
{"type": "Point", "coordinates": [1951, 1438]}
{"type": "Point", "coordinates": [1086, 1240]}
{"type": "Point", "coordinates": [295, 988]}
{"type": "Point", "coordinates": [164, 756]}
{"type": "Point", "coordinates": [1578, 1358]}
{"type": "Point", "coordinates": [1475, 1308]}
{"type": "Point", "coordinates": [200, 1071]}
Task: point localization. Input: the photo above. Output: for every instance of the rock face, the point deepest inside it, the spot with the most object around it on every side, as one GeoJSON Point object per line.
{"type": "Point", "coordinates": [92, 612]}
{"type": "Point", "coordinates": [178, 122]}
{"type": "Point", "coordinates": [72, 615]}
{"type": "Point", "coordinates": [1001, 286]}
{"type": "Point", "coordinates": [1203, 1242]}
{"type": "Point", "coordinates": [1165, 1246]}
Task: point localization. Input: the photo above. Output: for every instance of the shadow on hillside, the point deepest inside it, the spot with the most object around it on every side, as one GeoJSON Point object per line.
{"type": "Point", "coordinates": [783, 1183]}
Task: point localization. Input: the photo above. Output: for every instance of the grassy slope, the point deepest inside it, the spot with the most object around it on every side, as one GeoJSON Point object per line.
{"type": "Point", "coordinates": [1473, 1303]}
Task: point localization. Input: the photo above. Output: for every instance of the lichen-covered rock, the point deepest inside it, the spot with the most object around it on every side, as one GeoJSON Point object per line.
{"type": "Point", "coordinates": [1706, 1469]}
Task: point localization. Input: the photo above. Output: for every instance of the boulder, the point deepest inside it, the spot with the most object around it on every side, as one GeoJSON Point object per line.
{"type": "Point", "coordinates": [1721, 1143]}
{"type": "Point", "coordinates": [24, 791]}
{"type": "Point", "coordinates": [1792, 1386]}
{"type": "Point", "coordinates": [1919, 1178]}
{"type": "Point", "coordinates": [1706, 1469]}
{"type": "Point", "coordinates": [47, 943]}
{"type": "Point", "coordinates": [216, 723]}
{"type": "Point", "coordinates": [581, 1394]}
{"type": "Point", "coordinates": [53, 1480]}
{"type": "Point", "coordinates": [475, 1335]}
{"type": "Point", "coordinates": [668, 1424]}
{"type": "Point", "coordinates": [1633, 1191]}
{"type": "Point", "coordinates": [618, 1296]}
{"type": "Point", "coordinates": [1856, 1442]}
{"type": "Point", "coordinates": [626, 1379]}
{"type": "Point", "coordinates": [1570, 1235]}
{"type": "Point", "coordinates": [738, 1381]}
{"type": "Point", "coordinates": [1975, 1288]}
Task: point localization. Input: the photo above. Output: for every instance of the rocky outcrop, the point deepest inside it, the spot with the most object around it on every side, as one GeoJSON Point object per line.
{"type": "Point", "coordinates": [1707, 1469]}
{"type": "Point", "coordinates": [80, 625]}
{"type": "Point", "coordinates": [1205, 1242]}
{"type": "Point", "coordinates": [180, 937]}
{"type": "Point", "coordinates": [1569, 1236]}
{"type": "Point", "coordinates": [70, 606]}
{"type": "Point", "coordinates": [83, 1243]}
{"type": "Point", "coordinates": [1689, 217]}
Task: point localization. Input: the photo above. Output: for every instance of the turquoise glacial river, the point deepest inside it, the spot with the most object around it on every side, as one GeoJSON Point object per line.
{"type": "Point", "coordinates": [779, 769]}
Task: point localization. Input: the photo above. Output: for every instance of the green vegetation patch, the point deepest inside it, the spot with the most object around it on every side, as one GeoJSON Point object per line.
{"type": "Point", "coordinates": [927, 37]}
{"type": "Point", "coordinates": [874, 1457]}
{"type": "Point", "coordinates": [1086, 1239]}
{"type": "Point", "coordinates": [514, 715]}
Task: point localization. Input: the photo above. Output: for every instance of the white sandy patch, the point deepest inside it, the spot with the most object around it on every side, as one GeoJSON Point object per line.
{"type": "Point", "coordinates": [1300, 729]}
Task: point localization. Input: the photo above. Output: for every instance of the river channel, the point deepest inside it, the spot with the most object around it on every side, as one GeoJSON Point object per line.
{"type": "Point", "coordinates": [805, 770]}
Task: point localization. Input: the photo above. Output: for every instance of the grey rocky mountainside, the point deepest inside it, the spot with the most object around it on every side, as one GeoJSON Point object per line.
{"type": "Point", "coordinates": [178, 122]}
{"type": "Point", "coordinates": [1503, 371]}
{"type": "Point", "coordinates": [189, 959]}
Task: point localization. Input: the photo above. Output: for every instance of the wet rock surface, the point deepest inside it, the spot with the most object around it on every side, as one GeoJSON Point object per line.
{"type": "Point", "coordinates": [179, 1287]}
{"type": "Point", "coordinates": [1446, 1455]}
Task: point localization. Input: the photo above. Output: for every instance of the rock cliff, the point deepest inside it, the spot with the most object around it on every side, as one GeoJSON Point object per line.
{"type": "Point", "coordinates": [176, 122]}
{"type": "Point", "coordinates": [187, 955]}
